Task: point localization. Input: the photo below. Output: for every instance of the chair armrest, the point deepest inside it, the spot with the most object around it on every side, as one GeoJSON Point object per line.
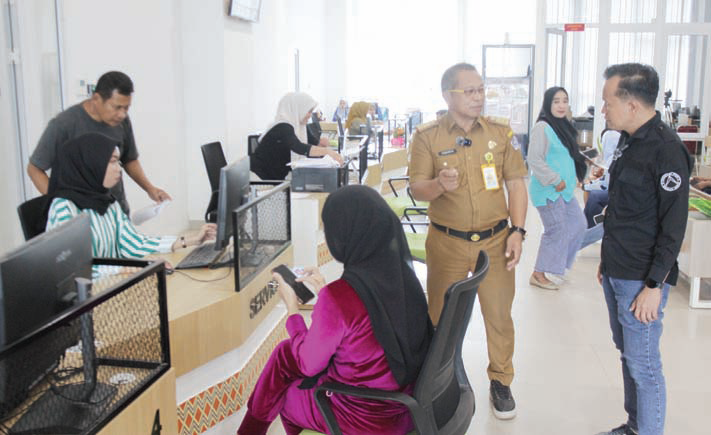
{"type": "Point", "coordinates": [390, 183]}
{"type": "Point", "coordinates": [415, 211]}
{"type": "Point", "coordinates": [419, 416]}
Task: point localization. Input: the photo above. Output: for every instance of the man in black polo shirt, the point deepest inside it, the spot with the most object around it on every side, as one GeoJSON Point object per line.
{"type": "Point", "coordinates": [644, 228]}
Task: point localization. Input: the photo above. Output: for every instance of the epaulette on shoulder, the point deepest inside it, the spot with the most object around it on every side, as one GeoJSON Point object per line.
{"type": "Point", "coordinates": [498, 120]}
{"type": "Point", "coordinates": [427, 126]}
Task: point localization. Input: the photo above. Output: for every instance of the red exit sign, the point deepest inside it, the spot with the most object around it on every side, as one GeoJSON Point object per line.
{"type": "Point", "coordinates": [574, 27]}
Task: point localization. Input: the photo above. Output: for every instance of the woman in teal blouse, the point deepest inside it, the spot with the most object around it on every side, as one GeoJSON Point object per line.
{"type": "Point", "coordinates": [556, 168]}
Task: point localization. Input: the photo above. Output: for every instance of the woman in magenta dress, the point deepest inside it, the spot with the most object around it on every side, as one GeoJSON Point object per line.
{"type": "Point", "coordinates": [370, 328]}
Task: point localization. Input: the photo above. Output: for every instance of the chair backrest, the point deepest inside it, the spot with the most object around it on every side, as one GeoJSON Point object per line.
{"type": "Point", "coordinates": [33, 216]}
{"type": "Point", "coordinates": [442, 387]}
{"type": "Point", "coordinates": [252, 143]}
{"type": "Point", "coordinates": [215, 160]}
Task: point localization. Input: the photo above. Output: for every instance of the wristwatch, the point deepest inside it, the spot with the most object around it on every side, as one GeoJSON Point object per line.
{"type": "Point", "coordinates": [516, 229]}
{"type": "Point", "coordinates": [649, 282]}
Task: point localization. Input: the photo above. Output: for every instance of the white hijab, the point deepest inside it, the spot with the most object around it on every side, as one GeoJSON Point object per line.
{"type": "Point", "coordinates": [292, 109]}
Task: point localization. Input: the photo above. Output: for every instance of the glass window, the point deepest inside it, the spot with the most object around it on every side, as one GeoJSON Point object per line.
{"type": "Point", "coordinates": [633, 11]}
{"type": "Point", "coordinates": [554, 59]}
{"type": "Point", "coordinates": [572, 11]}
{"type": "Point", "coordinates": [581, 69]}
{"type": "Point", "coordinates": [685, 72]}
{"type": "Point", "coordinates": [688, 11]}
{"type": "Point", "coordinates": [631, 47]}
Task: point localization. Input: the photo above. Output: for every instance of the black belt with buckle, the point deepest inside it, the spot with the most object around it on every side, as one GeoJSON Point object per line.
{"type": "Point", "coordinates": [472, 236]}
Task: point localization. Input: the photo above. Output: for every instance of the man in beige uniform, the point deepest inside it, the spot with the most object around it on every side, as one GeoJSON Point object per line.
{"type": "Point", "coordinates": [461, 163]}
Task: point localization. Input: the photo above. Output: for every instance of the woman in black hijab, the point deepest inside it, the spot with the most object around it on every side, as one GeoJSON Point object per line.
{"type": "Point", "coordinates": [556, 168]}
{"type": "Point", "coordinates": [86, 168]}
{"type": "Point", "coordinates": [369, 328]}
{"type": "Point", "coordinates": [563, 128]}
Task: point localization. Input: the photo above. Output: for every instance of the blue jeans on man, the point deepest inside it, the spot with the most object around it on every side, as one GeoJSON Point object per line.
{"type": "Point", "coordinates": [645, 389]}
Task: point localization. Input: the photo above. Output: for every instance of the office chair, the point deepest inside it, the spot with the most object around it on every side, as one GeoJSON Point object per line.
{"type": "Point", "coordinates": [405, 205]}
{"type": "Point", "coordinates": [416, 241]}
{"type": "Point", "coordinates": [33, 216]}
{"type": "Point", "coordinates": [443, 400]}
{"type": "Point", "coordinates": [215, 160]}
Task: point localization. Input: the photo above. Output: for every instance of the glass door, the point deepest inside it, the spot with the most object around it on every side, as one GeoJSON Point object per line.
{"type": "Point", "coordinates": [555, 58]}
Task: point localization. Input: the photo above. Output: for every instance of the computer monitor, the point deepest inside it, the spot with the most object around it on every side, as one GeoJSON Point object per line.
{"type": "Point", "coordinates": [234, 191]}
{"type": "Point", "coordinates": [37, 283]}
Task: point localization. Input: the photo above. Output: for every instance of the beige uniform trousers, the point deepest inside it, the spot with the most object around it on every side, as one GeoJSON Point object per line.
{"type": "Point", "coordinates": [450, 259]}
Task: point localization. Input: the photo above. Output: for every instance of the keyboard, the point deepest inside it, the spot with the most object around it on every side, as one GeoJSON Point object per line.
{"type": "Point", "coordinates": [202, 256]}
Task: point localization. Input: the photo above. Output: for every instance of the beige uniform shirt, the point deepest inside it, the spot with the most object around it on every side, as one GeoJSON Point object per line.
{"type": "Point", "coordinates": [470, 207]}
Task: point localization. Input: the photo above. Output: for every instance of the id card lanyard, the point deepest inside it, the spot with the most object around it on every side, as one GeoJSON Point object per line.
{"type": "Point", "coordinates": [488, 171]}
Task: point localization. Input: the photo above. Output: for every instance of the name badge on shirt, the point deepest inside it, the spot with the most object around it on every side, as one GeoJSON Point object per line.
{"type": "Point", "coordinates": [447, 152]}
{"type": "Point", "coordinates": [488, 171]}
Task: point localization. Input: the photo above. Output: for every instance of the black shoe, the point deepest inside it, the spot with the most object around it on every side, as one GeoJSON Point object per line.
{"type": "Point", "coordinates": [502, 402]}
{"type": "Point", "coordinates": [622, 430]}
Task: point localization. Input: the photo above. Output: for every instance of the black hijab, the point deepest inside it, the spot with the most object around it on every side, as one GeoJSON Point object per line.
{"type": "Point", "coordinates": [79, 171]}
{"type": "Point", "coordinates": [564, 130]}
{"type": "Point", "coordinates": [366, 236]}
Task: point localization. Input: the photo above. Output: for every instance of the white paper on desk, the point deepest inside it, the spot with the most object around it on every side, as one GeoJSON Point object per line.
{"type": "Point", "coordinates": [140, 216]}
{"type": "Point", "coordinates": [324, 162]}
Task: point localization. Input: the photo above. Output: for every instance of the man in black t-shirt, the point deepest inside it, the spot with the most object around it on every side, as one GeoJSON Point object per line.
{"type": "Point", "coordinates": [105, 112]}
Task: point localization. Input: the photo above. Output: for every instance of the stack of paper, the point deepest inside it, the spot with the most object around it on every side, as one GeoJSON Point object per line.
{"type": "Point", "coordinates": [323, 162]}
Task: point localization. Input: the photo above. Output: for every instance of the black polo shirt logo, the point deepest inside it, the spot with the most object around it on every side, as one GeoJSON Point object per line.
{"type": "Point", "coordinates": [670, 181]}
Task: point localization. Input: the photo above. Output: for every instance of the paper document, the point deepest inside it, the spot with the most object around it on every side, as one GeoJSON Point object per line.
{"type": "Point", "coordinates": [324, 162]}
{"type": "Point", "coordinates": [140, 216]}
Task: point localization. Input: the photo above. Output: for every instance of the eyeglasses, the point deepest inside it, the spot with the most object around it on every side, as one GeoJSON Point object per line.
{"type": "Point", "coordinates": [469, 92]}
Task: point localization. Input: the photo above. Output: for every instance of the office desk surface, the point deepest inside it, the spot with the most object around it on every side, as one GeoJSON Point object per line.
{"type": "Point", "coordinates": [207, 319]}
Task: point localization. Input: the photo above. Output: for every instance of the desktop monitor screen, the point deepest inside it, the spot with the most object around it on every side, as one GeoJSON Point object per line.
{"type": "Point", "coordinates": [234, 191]}
{"type": "Point", "coordinates": [29, 298]}
{"type": "Point", "coordinates": [37, 283]}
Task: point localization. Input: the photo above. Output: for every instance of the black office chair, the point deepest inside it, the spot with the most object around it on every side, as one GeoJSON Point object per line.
{"type": "Point", "coordinates": [33, 216]}
{"type": "Point", "coordinates": [215, 160]}
{"type": "Point", "coordinates": [443, 400]}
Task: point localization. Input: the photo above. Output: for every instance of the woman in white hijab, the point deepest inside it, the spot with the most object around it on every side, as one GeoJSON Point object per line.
{"type": "Point", "coordinates": [288, 134]}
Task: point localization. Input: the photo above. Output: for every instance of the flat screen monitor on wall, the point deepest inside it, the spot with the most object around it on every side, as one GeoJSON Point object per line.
{"type": "Point", "coordinates": [245, 9]}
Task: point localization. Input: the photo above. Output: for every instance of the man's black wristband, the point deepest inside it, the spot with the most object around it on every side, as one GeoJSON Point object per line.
{"type": "Point", "coordinates": [516, 229]}
{"type": "Point", "coordinates": [649, 282]}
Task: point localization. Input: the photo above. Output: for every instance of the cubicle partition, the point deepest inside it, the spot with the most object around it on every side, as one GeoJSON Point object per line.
{"type": "Point", "coordinates": [114, 346]}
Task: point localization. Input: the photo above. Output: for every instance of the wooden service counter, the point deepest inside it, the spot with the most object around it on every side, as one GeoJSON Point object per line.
{"type": "Point", "coordinates": [207, 317]}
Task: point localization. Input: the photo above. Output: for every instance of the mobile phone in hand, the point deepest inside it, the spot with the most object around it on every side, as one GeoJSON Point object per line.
{"type": "Point", "coordinates": [599, 218]}
{"type": "Point", "coordinates": [302, 292]}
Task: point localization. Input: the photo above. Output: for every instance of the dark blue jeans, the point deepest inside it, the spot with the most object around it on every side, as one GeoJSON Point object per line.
{"type": "Point", "coordinates": [597, 200]}
{"type": "Point", "coordinates": [645, 389]}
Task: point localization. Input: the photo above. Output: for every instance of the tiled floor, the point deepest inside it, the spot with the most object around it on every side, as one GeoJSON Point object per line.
{"type": "Point", "coordinates": [568, 378]}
